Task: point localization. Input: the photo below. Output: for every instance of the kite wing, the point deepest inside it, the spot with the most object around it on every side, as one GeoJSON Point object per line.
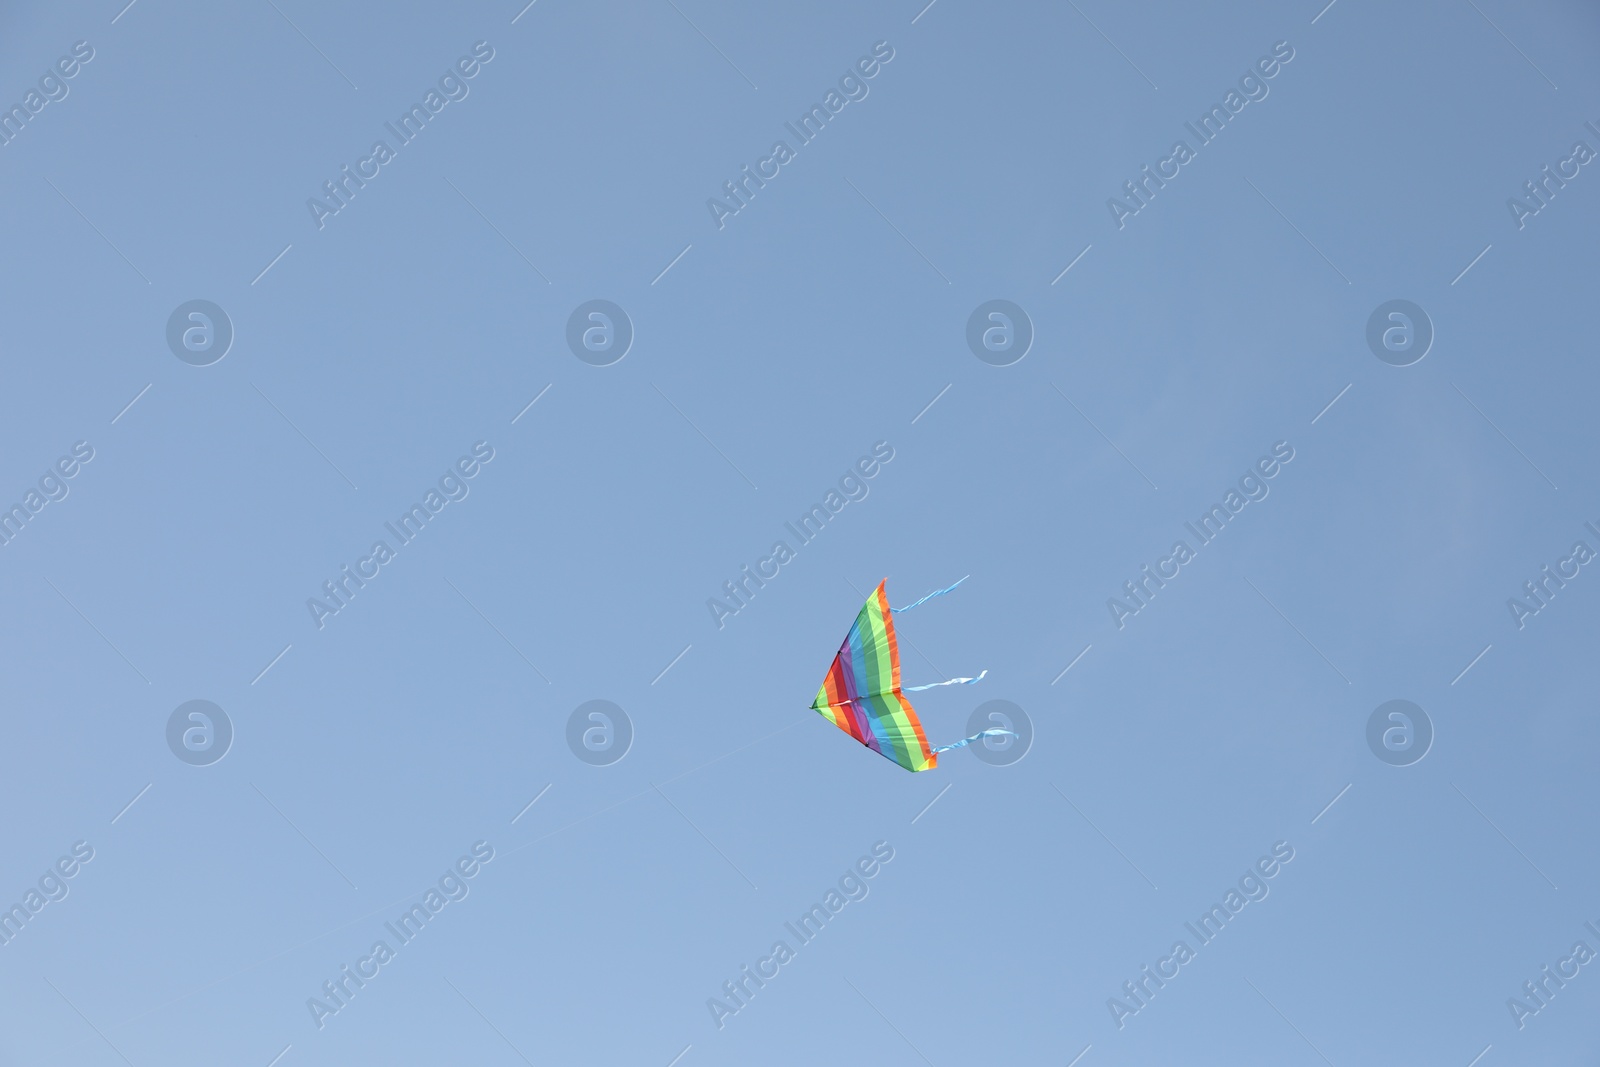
{"type": "Point", "coordinates": [861, 694]}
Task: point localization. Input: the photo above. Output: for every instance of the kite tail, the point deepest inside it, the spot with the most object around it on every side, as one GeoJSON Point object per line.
{"type": "Point", "coordinates": [930, 596]}
{"type": "Point", "coordinates": [947, 681]}
{"type": "Point", "coordinates": [991, 732]}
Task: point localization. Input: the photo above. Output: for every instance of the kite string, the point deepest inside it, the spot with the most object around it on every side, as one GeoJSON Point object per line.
{"type": "Point", "coordinates": [930, 596]}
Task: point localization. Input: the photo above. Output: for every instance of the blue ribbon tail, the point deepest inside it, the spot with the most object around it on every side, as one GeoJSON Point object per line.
{"type": "Point", "coordinates": [930, 596]}
{"type": "Point", "coordinates": [947, 681]}
{"type": "Point", "coordinates": [992, 732]}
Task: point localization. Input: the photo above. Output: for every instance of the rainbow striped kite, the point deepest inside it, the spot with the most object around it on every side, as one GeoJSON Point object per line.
{"type": "Point", "coordinates": [862, 695]}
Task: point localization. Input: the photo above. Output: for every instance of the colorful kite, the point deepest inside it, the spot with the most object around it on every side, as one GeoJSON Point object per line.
{"type": "Point", "coordinates": [862, 695]}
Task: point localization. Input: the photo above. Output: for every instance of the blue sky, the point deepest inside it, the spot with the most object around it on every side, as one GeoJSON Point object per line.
{"type": "Point", "coordinates": [427, 321]}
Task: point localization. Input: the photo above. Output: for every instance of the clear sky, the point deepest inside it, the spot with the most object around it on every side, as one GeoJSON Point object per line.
{"type": "Point", "coordinates": [179, 489]}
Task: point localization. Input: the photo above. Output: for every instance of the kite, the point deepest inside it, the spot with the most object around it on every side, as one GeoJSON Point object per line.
{"type": "Point", "coordinates": [862, 694]}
